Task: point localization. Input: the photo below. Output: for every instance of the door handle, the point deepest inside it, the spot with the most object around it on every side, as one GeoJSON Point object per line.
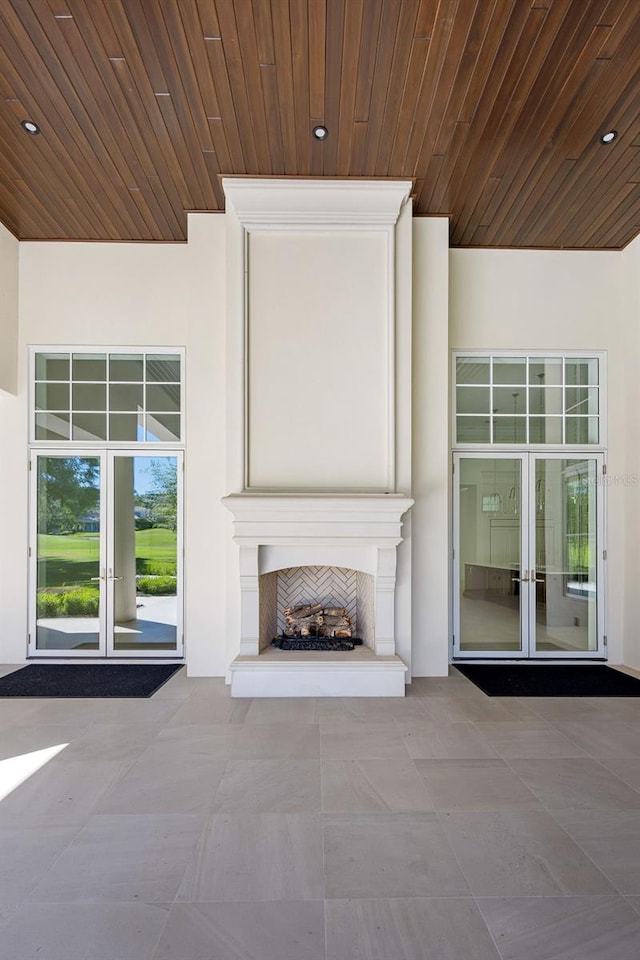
{"type": "Point", "coordinates": [101, 577]}
{"type": "Point", "coordinates": [112, 578]}
{"type": "Point", "coordinates": [524, 579]}
{"type": "Point", "coordinates": [535, 579]}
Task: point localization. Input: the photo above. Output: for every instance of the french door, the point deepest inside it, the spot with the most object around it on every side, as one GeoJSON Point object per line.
{"type": "Point", "coordinates": [528, 556]}
{"type": "Point", "coordinates": [105, 554]}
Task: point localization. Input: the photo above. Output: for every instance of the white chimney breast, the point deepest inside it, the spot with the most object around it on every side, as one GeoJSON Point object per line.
{"type": "Point", "coordinates": [319, 417]}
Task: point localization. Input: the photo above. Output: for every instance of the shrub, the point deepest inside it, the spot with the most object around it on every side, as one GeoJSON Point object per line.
{"type": "Point", "coordinates": [82, 602]}
{"type": "Point", "coordinates": [68, 602]}
{"type": "Point", "coordinates": [157, 586]}
{"type": "Point", "coordinates": [155, 568]}
{"type": "Point", "coordinates": [50, 605]}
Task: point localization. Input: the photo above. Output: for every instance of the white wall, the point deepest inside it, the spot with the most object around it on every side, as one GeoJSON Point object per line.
{"type": "Point", "coordinates": [131, 294]}
{"type": "Point", "coordinates": [431, 471]}
{"type": "Point", "coordinates": [562, 300]}
{"type": "Point", "coordinates": [11, 530]}
{"type": "Point", "coordinates": [630, 488]}
{"type": "Point", "coordinates": [174, 295]}
{"type": "Point", "coordinates": [8, 311]}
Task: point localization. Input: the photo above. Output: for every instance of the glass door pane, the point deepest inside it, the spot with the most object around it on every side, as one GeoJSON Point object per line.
{"type": "Point", "coordinates": [68, 555]}
{"type": "Point", "coordinates": [490, 593]}
{"type": "Point", "coordinates": [565, 503]}
{"type": "Point", "coordinates": [143, 569]}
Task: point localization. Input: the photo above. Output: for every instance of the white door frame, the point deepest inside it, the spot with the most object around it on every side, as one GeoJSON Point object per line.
{"type": "Point", "coordinates": [107, 573]}
{"type": "Point", "coordinates": [527, 599]}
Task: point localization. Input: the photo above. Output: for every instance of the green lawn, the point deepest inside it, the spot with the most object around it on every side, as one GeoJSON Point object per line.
{"type": "Point", "coordinates": [156, 544]}
{"type": "Point", "coordinates": [74, 558]}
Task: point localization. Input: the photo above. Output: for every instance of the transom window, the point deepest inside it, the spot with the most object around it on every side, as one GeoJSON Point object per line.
{"type": "Point", "coordinates": [107, 396]}
{"type": "Point", "coordinates": [527, 400]}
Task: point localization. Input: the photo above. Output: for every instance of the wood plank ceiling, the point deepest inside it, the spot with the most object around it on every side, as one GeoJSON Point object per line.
{"type": "Point", "coordinates": [493, 107]}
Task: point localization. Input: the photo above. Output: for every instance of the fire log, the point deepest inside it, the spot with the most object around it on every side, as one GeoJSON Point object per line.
{"type": "Point", "coordinates": [304, 610]}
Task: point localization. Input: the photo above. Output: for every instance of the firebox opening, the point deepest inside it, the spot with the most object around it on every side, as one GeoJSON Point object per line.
{"type": "Point", "coordinates": [316, 608]}
{"type": "Point", "coordinates": [314, 626]}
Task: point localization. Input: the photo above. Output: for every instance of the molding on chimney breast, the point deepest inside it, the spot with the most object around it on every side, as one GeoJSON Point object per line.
{"type": "Point", "coordinates": [275, 204]}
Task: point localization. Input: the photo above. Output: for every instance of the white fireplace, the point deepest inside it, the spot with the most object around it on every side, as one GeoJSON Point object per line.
{"type": "Point", "coordinates": [277, 532]}
{"type": "Point", "coordinates": [319, 403]}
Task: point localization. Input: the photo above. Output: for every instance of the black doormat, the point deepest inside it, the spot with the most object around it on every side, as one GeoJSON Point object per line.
{"type": "Point", "coordinates": [549, 680]}
{"type": "Point", "coordinates": [87, 679]}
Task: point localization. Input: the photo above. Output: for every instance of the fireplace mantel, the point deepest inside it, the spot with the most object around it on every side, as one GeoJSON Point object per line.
{"type": "Point", "coordinates": [299, 518]}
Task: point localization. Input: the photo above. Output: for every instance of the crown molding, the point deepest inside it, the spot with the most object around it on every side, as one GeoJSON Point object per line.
{"type": "Point", "coordinates": [316, 204]}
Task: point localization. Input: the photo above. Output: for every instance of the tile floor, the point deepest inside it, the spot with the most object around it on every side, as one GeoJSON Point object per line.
{"type": "Point", "coordinates": [446, 826]}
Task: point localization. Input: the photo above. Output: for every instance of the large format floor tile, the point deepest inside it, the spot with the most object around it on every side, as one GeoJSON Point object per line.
{"type": "Point", "coordinates": [346, 710]}
{"type": "Point", "coordinates": [167, 778]}
{"type": "Point", "coordinates": [601, 709]}
{"type": "Point", "coordinates": [274, 740]}
{"type": "Point", "coordinates": [373, 786]}
{"type": "Point", "coordinates": [23, 738]}
{"type": "Point", "coordinates": [269, 786]}
{"type": "Point", "coordinates": [106, 710]}
{"type": "Point", "coordinates": [572, 785]}
{"type": "Point", "coordinates": [613, 843]}
{"type": "Point", "coordinates": [26, 854]}
{"type": "Point", "coordinates": [86, 931]}
{"type": "Point", "coordinates": [61, 792]}
{"type": "Point", "coordinates": [457, 740]}
{"type": "Point", "coordinates": [192, 827]}
{"type": "Point", "coordinates": [448, 710]}
{"type": "Point", "coordinates": [604, 738]}
{"type": "Point", "coordinates": [521, 853]}
{"type": "Point", "coordinates": [437, 929]}
{"type": "Point", "coordinates": [529, 738]}
{"type": "Point", "coordinates": [17, 712]}
{"type": "Point", "coordinates": [474, 785]}
{"type": "Point", "coordinates": [257, 857]}
{"type": "Point", "coordinates": [244, 931]}
{"type": "Point", "coordinates": [626, 770]}
{"type": "Point", "coordinates": [282, 710]}
{"type": "Point", "coordinates": [360, 740]}
{"type": "Point", "coordinates": [400, 855]}
{"type": "Point", "coordinates": [123, 858]}
{"type": "Point", "coordinates": [563, 928]}
{"type": "Point", "coordinates": [210, 710]}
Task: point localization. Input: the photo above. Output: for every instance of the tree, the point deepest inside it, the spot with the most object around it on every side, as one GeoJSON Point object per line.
{"type": "Point", "coordinates": [68, 488]}
{"type": "Point", "coordinates": [162, 500]}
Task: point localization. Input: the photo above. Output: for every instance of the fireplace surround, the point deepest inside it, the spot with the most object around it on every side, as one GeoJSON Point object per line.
{"type": "Point", "coordinates": [277, 532]}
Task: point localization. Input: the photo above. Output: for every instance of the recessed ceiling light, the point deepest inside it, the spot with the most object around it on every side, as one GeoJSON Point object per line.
{"type": "Point", "coordinates": [320, 132]}
{"type": "Point", "coordinates": [609, 136]}
{"type": "Point", "coordinates": [30, 127]}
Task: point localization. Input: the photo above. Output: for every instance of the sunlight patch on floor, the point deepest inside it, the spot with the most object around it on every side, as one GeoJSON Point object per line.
{"type": "Point", "coordinates": [15, 770]}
